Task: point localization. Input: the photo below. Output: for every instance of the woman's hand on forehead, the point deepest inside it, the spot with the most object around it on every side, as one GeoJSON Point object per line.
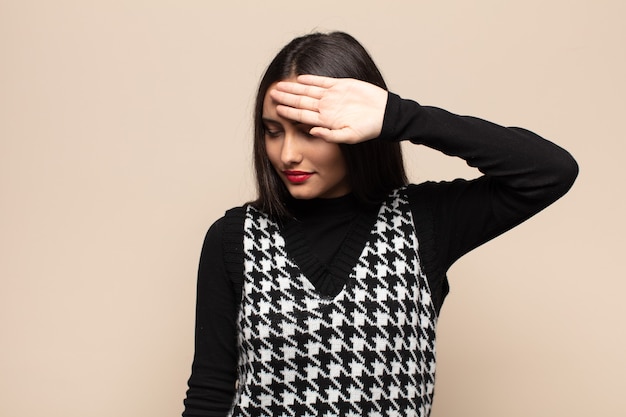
{"type": "Point", "coordinates": [341, 110]}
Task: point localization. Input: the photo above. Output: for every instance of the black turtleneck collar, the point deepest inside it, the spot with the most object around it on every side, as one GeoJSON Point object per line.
{"type": "Point", "coordinates": [347, 205]}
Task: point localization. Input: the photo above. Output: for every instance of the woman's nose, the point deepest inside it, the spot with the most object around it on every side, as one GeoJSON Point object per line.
{"type": "Point", "coordinates": [291, 152]}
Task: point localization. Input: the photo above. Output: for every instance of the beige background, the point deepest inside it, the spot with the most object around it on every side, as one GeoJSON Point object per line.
{"type": "Point", "coordinates": [125, 132]}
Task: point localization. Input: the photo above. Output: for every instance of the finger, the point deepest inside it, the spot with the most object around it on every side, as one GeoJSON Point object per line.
{"type": "Point", "coordinates": [300, 89]}
{"type": "Point", "coordinates": [344, 135]}
{"type": "Point", "coordinates": [322, 133]}
{"type": "Point", "coordinates": [317, 80]}
{"type": "Point", "coordinates": [296, 101]}
{"type": "Point", "coordinates": [306, 117]}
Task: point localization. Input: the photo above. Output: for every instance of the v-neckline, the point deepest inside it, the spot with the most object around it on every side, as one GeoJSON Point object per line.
{"type": "Point", "coordinates": [332, 276]}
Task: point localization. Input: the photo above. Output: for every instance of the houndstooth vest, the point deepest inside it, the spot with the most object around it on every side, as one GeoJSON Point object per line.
{"type": "Point", "coordinates": [369, 351]}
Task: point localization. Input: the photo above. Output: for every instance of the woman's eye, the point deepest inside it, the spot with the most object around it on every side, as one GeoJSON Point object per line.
{"type": "Point", "coordinates": [273, 133]}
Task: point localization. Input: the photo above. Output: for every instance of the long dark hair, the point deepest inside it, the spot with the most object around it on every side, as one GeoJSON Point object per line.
{"type": "Point", "coordinates": [374, 167]}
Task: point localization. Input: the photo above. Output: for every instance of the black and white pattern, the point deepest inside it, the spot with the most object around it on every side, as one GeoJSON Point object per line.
{"type": "Point", "coordinates": [369, 351]}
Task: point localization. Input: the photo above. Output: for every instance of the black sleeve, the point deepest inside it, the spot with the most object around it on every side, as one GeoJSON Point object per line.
{"type": "Point", "coordinates": [523, 173]}
{"type": "Point", "coordinates": [214, 370]}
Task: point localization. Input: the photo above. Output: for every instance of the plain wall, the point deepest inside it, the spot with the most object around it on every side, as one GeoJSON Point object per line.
{"type": "Point", "coordinates": [125, 131]}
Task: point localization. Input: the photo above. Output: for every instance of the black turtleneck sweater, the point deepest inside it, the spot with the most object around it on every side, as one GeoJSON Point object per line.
{"type": "Point", "coordinates": [522, 174]}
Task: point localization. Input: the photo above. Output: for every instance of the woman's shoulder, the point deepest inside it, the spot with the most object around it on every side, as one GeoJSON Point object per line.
{"type": "Point", "coordinates": [224, 239]}
{"type": "Point", "coordinates": [439, 196]}
{"type": "Point", "coordinates": [230, 222]}
{"type": "Point", "coordinates": [235, 213]}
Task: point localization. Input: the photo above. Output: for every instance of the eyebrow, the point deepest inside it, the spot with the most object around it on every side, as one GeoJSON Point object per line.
{"type": "Point", "coordinates": [268, 120]}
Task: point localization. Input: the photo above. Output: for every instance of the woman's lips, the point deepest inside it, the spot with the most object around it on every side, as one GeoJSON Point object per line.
{"type": "Point", "coordinates": [297, 177]}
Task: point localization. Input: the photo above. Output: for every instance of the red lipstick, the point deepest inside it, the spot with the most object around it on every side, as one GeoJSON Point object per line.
{"type": "Point", "coordinates": [297, 177]}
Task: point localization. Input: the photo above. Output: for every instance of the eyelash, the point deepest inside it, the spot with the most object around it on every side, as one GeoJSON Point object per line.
{"type": "Point", "coordinates": [273, 133]}
{"type": "Point", "coordinates": [277, 133]}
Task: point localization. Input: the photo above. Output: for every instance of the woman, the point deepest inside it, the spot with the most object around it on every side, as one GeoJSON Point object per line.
{"type": "Point", "coordinates": [321, 297]}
